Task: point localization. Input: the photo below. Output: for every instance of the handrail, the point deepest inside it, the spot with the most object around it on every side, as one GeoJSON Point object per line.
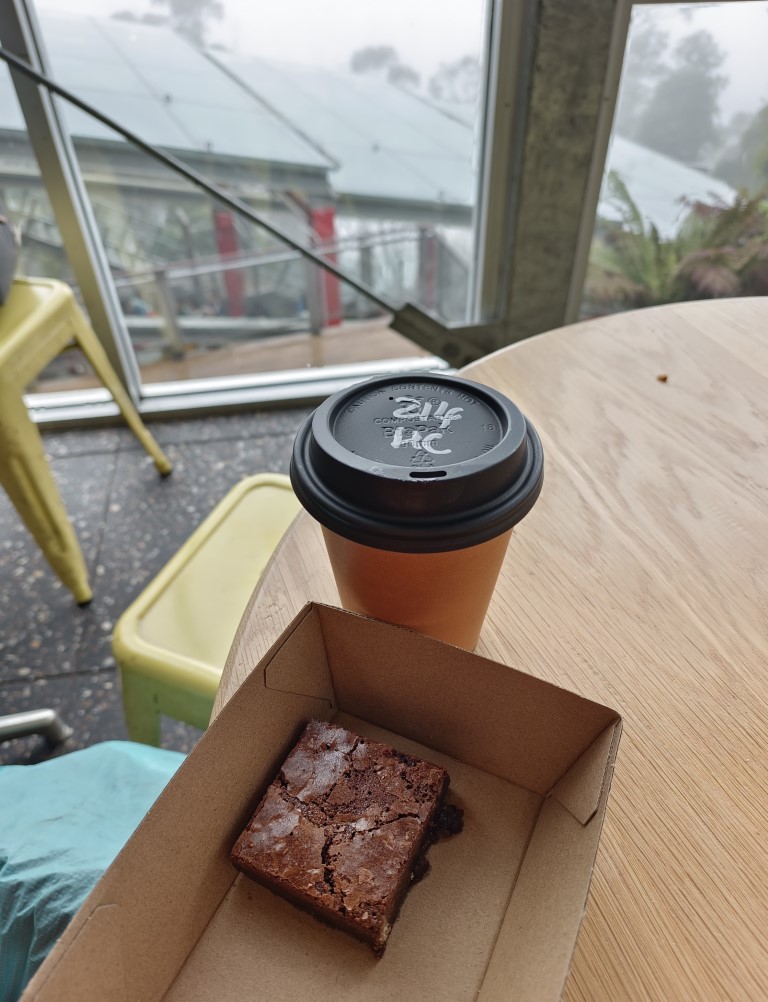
{"type": "Point", "coordinates": [245, 259]}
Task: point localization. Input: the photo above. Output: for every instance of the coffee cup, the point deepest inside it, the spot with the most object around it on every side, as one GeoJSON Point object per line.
{"type": "Point", "coordinates": [417, 482]}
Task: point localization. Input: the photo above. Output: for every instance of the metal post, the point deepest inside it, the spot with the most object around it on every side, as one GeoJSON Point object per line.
{"type": "Point", "coordinates": [315, 299]}
{"type": "Point", "coordinates": [427, 250]}
{"type": "Point", "coordinates": [171, 330]}
{"type": "Point", "coordinates": [552, 78]}
{"type": "Point", "coordinates": [189, 250]}
{"type": "Point", "coordinates": [366, 264]}
{"type": "Point", "coordinates": [601, 140]}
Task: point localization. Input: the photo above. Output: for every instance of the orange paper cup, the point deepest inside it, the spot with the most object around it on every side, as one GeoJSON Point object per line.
{"type": "Point", "coordinates": [418, 483]}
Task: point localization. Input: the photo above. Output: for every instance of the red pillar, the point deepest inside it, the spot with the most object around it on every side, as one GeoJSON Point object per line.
{"type": "Point", "coordinates": [226, 241]}
{"type": "Point", "coordinates": [323, 223]}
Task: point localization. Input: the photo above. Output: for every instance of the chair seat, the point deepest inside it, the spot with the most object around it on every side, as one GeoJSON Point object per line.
{"type": "Point", "coordinates": [172, 643]}
{"type": "Point", "coordinates": [35, 324]}
{"type": "Point", "coordinates": [70, 817]}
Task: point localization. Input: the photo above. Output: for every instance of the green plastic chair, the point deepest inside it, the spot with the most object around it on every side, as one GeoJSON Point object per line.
{"type": "Point", "coordinates": [173, 640]}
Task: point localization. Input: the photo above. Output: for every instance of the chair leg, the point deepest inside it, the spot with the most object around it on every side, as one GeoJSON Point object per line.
{"type": "Point", "coordinates": [142, 715]}
{"type": "Point", "coordinates": [96, 355]}
{"type": "Point", "coordinates": [46, 722]}
{"type": "Point", "coordinates": [28, 481]}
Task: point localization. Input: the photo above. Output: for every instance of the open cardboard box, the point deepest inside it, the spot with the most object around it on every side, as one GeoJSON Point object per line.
{"type": "Point", "coordinates": [495, 918]}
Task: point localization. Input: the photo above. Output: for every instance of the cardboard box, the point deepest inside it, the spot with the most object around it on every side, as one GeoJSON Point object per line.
{"type": "Point", "coordinates": [495, 918]}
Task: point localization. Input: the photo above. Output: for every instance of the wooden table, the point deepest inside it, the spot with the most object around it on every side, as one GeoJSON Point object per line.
{"type": "Point", "coordinates": [640, 579]}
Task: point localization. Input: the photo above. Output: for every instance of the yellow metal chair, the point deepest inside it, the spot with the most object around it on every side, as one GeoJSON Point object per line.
{"type": "Point", "coordinates": [172, 642]}
{"type": "Point", "coordinates": [39, 318]}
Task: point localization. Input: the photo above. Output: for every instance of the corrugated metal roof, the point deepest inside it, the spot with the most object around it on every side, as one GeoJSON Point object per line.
{"type": "Point", "coordinates": [657, 185]}
{"type": "Point", "coordinates": [389, 143]}
{"type": "Point", "coordinates": [158, 85]}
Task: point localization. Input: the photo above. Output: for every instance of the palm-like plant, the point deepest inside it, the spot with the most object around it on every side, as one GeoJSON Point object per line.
{"type": "Point", "coordinates": [724, 249]}
{"type": "Point", "coordinates": [630, 264]}
{"type": "Point", "coordinates": [720, 250]}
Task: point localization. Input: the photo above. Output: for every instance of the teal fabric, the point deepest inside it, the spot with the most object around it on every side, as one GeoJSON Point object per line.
{"type": "Point", "coordinates": [62, 822]}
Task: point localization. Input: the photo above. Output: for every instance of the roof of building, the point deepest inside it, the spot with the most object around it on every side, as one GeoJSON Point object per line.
{"type": "Point", "coordinates": [388, 142]}
{"type": "Point", "coordinates": [658, 185]}
{"type": "Point", "coordinates": [161, 87]}
{"type": "Point", "coordinates": [374, 141]}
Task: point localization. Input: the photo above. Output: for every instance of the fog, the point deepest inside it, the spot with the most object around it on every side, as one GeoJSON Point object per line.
{"type": "Point", "coordinates": [427, 33]}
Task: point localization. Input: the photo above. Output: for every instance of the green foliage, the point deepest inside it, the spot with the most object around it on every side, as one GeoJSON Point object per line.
{"type": "Point", "coordinates": [373, 58]}
{"type": "Point", "coordinates": [720, 250]}
{"type": "Point", "coordinates": [643, 67]}
{"type": "Point", "coordinates": [457, 82]}
{"type": "Point", "coordinates": [383, 61]}
{"type": "Point", "coordinates": [189, 17]}
{"type": "Point", "coordinates": [630, 265]}
{"type": "Point", "coordinates": [724, 248]}
{"type": "Point", "coordinates": [681, 118]}
{"type": "Point", "coordinates": [745, 161]}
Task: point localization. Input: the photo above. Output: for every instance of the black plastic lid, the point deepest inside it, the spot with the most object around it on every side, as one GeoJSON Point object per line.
{"type": "Point", "coordinates": [419, 464]}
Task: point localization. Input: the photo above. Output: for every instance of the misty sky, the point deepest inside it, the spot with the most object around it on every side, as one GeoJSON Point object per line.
{"type": "Point", "coordinates": [427, 33]}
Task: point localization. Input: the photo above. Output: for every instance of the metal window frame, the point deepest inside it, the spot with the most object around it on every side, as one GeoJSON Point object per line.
{"type": "Point", "coordinates": [219, 394]}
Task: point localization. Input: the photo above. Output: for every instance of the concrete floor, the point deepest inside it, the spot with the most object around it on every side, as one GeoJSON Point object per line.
{"type": "Point", "coordinates": [129, 522]}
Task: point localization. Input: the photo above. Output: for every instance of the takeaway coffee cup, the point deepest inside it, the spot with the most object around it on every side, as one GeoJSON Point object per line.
{"type": "Point", "coordinates": [417, 482]}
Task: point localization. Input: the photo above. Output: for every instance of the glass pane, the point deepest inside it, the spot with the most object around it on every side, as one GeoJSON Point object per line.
{"type": "Point", "coordinates": [352, 128]}
{"type": "Point", "coordinates": [25, 199]}
{"type": "Point", "coordinates": [682, 212]}
{"type": "Point", "coordinates": [26, 203]}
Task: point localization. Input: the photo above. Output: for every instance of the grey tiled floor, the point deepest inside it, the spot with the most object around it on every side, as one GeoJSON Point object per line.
{"type": "Point", "coordinates": [129, 522]}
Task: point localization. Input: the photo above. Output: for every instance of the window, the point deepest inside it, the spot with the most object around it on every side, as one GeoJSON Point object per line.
{"type": "Point", "coordinates": [450, 156]}
{"type": "Point", "coordinates": [354, 134]}
{"type": "Point", "coordinates": [682, 212]}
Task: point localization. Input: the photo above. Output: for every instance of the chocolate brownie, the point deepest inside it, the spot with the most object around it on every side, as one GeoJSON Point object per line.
{"type": "Point", "coordinates": [342, 829]}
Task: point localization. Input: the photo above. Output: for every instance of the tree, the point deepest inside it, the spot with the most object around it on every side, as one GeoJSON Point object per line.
{"type": "Point", "coordinates": [156, 20]}
{"type": "Point", "coordinates": [744, 162]}
{"type": "Point", "coordinates": [383, 61]}
{"type": "Point", "coordinates": [643, 68]}
{"type": "Point", "coordinates": [403, 76]}
{"type": "Point", "coordinates": [681, 118]}
{"type": "Point", "coordinates": [723, 248]}
{"type": "Point", "coordinates": [374, 59]}
{"type": "Point", "coordinates": [458, 82]}
{"type": "Point", "coordinates": [189, 17]}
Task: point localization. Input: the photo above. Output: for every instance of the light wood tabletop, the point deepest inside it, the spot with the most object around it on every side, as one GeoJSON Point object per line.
{"type": "Point", "coordinates": [640, 579]}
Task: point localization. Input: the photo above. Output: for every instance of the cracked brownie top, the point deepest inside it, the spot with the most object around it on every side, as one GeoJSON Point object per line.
{"type": "Point", "coordinates": [340, 828]}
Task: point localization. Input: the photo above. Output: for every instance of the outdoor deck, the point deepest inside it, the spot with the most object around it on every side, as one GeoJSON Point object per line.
{"type": "Point", "coordinates": [361, 341]}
